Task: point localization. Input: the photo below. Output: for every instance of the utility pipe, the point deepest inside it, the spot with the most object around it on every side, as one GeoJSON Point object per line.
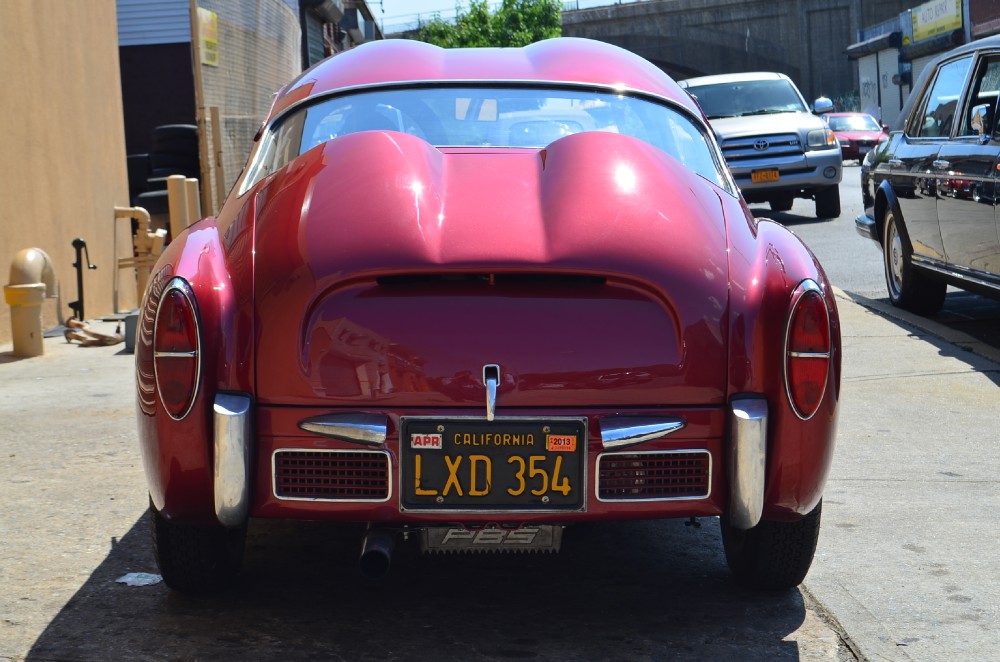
{"type": "Point", "coordinates": [32, 279]}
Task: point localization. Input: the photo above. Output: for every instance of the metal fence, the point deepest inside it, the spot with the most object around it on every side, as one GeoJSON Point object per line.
{"type": "Point", "coordinates": [248, 50]}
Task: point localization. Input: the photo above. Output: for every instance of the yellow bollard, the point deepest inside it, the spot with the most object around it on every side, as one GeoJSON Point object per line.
{"type": "Point", "coordinates": [32, 278]}
{"type": "Point", "coordinates": [178, 204]}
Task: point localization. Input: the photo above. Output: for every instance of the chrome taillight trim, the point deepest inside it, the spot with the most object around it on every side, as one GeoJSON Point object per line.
{"type": "Point", "coordinates": [806, 287]}
{"type": "Point", "coordinates": [355, 427]}
{"type": "Point", "coordinates": [232, 458]}
{"type": "Point", "coordinates": [746, 460]}
{"type": "Point", "coordinates": [184, 288]}
{"type": "Point", "coordinates": [623, 431]}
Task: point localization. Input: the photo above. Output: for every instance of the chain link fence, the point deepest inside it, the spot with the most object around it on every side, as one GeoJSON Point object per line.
{"type": "Point", "coordinates": [248, 50]}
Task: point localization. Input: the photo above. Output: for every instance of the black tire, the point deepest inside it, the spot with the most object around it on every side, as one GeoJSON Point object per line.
{"type": "Point", "coordinates": [174, 138]}
{"type": "Point", "coordinates": [173, 161]}
{"type": "Point", "coordinates": [908, 288]}
{"type": "Point", "coordinates": [828, 202]}
{"type": "Point", "coordinates": [196, 559]}
{"type": "Point", "coordinates": [772, 556]}
{"type": "Point", "coordinates": [781, 204]}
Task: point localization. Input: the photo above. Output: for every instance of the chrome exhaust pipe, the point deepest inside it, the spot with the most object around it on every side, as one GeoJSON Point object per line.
{"type": "Point", "coordinates": [376, 553]}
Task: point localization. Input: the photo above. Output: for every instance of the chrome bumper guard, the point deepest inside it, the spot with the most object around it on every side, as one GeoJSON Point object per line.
{"type": "Point", "coordinates": [746, 461]}
{"type": "Point", "coordinates": [231, 471]}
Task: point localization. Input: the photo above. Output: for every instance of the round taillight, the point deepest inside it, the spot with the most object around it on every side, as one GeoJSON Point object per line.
{"type": "Point", "coordinates": [177, 349]}
{"type": "Point", "coordinates": [807, 349]}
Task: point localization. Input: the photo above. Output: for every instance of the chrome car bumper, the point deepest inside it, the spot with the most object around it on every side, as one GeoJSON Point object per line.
{"type": "Point", "coordinates": [865, 225]}
{"type": "Point", "coordinates": [232, 457]}
{"type": "Point", "coordinates": [746, 461]}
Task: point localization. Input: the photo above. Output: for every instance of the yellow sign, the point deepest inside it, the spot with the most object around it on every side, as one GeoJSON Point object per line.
{"type": "Point", "coordinates": [208, 33]}
{"type": "Point", "coordinates": [933, 18]}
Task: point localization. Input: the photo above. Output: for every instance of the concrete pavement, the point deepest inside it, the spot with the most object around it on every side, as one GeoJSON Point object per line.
{"type": "Point", "coordinates": [907, 561]}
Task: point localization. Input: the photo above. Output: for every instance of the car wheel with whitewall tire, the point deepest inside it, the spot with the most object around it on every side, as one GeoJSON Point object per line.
{"type": "Point", "coordinates": [828, 202]}
{"type": "Point", "coordinates": [908, 288]}
{"type": "Point", "coordinates": [772, 555]}
{"type": "Point", "coordinates": [196, 559]}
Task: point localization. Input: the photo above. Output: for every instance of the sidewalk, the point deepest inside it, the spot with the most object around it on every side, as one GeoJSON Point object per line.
{"type": "Point", "coordinates": [907, 560]}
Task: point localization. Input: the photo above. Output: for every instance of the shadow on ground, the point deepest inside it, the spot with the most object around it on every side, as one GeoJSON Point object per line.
{"type": "Point", "coordinates": [639, 590]}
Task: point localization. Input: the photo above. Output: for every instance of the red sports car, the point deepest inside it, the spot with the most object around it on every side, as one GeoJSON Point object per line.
{"type": "Point", "coordinates": [858, 133]}
{"type": "Point", "coordinates": [470, 297]}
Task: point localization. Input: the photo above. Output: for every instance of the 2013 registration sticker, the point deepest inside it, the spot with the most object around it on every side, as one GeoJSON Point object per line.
{"type": "Point", "coordinates": [560, 442]}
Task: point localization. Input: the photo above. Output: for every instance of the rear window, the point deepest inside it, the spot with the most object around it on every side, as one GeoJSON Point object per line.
{"type": "Point", "coordinates": [462, 116]}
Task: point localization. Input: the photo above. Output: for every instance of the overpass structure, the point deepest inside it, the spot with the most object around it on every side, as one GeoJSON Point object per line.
{"type": "Point", "coordinates": [805, 39]}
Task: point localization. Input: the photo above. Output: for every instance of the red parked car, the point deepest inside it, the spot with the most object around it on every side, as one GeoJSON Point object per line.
{"type": "Point", "coordinates": [858, 133]}
{"type": "Point", "coordinates": [475, 296]}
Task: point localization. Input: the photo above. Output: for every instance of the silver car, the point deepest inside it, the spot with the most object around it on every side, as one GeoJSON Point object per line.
{"type": "Point", "coordinates": [776, 149]}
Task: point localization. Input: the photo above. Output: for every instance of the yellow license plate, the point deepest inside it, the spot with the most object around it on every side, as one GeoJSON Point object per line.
{"type": "Point", "coordinates": [505, 464]}
{"type": "Point", "coordinates": [762, 176]}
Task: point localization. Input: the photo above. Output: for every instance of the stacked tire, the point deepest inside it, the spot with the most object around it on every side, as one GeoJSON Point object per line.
{"type": "Point", "coordinates": [173, 151]}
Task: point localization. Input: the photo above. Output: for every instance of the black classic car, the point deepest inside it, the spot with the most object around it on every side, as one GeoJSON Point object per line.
{"type": "Point", "coordinates": [930, 191]}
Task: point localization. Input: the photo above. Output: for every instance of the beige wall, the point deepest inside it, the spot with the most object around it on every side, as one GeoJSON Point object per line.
{"type": "Point", "coordinates": [62, 160]}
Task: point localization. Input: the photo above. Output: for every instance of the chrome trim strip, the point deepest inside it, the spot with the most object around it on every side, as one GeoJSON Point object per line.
{"type": "Point", "coordinates": [355, 427]}
{"type": "Point", "coordinates": [182, 286]}
{"type": "Point", "coordinates": [707, 494]}
{"type": "Point", "coordinates": [274, 471]}
{"type": "Point", "coordinates": [746, 460]}
{"type": "Point", "coordinates": [491, 378]}
{"type": "Point", "coordinates": [810, 355]}
{"type": "Point", "coordinates": [175, 355]}
{"type": "Point", "coordinates": [806, 286]}
{"type": "Point", "coordinates": [624, 431]}
{"type": "Point", "coordinates": [231, 459]}
{"type": "Point", "coordinates": [953, 272]}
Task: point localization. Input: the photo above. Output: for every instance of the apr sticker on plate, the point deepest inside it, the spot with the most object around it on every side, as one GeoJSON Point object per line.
{"type": "Point", "coordinates": [560, 442]}
{"type": "Point", "coordinates": [428, 441]}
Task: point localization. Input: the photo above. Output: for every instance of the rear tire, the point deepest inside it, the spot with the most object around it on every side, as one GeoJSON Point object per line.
{"type": "Point", "coordinates": [828, 202]}
{"type": "Point", "coordinates": [196, 559]}
{"type": "Point", "coordinates": [772, 556]}
{"type": "Point", "coordinates": [908, 288]}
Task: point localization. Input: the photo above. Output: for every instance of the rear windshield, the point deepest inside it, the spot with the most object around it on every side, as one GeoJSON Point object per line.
{"type": "Point", "coordinates": [488, 117]}
{"type": "Point", "coordinates": [748, 97]}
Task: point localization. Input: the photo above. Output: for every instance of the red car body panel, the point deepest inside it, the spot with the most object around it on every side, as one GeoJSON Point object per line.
{"type": "Point", "coordinates": [325, 287]}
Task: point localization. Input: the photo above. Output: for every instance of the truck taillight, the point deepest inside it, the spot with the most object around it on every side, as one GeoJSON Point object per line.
{"type": "Point", "coordinates": [177, 349]}
{"type": "Point", "coordinates": [807, 349]}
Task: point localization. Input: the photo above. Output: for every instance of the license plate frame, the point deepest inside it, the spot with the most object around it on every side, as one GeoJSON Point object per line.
{"type": "Point", "coordinates": [438, 477]}
{"type": "Point", "coordinates": [767, 176]}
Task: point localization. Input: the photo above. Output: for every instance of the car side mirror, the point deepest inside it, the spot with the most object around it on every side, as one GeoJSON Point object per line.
{"type": "Point", "coordinates": [885, 129]}
{"type": "Point", "coordinates": [980, 121]}
{"type": "Point", "coordinates": [822, 105]}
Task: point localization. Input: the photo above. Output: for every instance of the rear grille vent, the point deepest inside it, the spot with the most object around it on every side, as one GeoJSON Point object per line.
{"type": "Point", "coordinates": [654, 475]}
{"type": "Point", "coordinates": [332, 475]}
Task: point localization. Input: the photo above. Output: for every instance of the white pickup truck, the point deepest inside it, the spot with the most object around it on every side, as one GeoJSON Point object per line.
{"type": "Point", "coordinates": [776, 149]}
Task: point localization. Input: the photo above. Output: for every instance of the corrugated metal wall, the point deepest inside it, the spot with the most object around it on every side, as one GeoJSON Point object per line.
{"type": "Point", "coordinates": [147, 22]}
{"type": "Point", "coordinates": [827, 30]}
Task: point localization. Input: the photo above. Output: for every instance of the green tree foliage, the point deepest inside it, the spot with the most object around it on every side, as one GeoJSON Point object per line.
{"type": "Point", "coordinates": [514, 23]}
